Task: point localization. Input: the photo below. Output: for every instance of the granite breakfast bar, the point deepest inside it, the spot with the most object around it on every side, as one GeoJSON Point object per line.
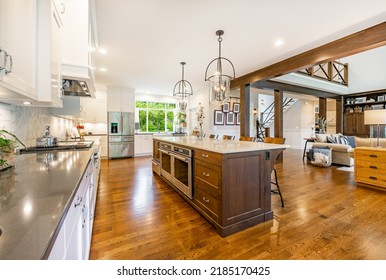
{"type": "Point", "coordinates": [231, 180]}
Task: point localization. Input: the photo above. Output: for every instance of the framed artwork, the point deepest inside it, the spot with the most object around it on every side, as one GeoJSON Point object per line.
{"type": "Point", "coordinates": [225, 107]}
{"type": "Point", "coordinates": [230, 118]}
{"type": "Point", "coordinates": [236, 107]}
{"type": "Point", "coordinates": [237, 119]}
{"type": "Point", "coordinates": [218, 117]}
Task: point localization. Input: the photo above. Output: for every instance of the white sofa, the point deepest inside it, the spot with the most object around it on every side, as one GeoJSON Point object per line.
{"type": "Point", "coordinates": [341, 152]}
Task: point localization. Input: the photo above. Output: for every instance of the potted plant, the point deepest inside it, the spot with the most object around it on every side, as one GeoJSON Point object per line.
{"type": "Point", "coordinates": [8, 142]}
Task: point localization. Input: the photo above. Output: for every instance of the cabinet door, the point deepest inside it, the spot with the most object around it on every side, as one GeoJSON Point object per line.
{"type": "Point", "coordinates": [114, 101]}
{"type": "Point", "coordinates": [349, 124]}
{"type": "Point", "coordinates": [18, 38]}
{"type": "Point", "coordinates": [147, 144]}
{"type": "Point", "coordinates": [127, 101]}
{"type": "Point", "coordinates": [361, 128]}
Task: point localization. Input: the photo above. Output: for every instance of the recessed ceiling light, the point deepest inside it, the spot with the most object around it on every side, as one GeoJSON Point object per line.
{"type": "Point", "coordinates": [279, 43]}
{"type": "Point", "coordinates": [103, 69]}
{"type": "Point", "coordinates": [102, 50]}
{"type": "Point", "coordinates": [27, 103]}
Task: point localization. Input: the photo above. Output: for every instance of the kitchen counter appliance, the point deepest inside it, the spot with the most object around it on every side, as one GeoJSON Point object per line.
{"type": "Point", "coordinates": [121, 134]}
{"type": "Point", "coordinates": [176, 166]}
{"type": "Point", "coordinates": [47, 140]}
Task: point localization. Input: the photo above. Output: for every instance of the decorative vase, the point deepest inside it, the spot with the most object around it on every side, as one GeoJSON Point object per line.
{"type": "Point", "coordinates": [201, 133]}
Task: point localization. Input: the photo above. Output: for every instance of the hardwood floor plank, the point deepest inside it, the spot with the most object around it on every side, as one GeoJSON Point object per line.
{"type": "Point", "coordinates": [326, 216]}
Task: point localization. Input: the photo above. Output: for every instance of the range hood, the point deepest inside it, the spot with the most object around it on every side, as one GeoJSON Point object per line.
{"type": "Point", "coordinates": [77, 81]}
{"type": "Point", "coordinates": [75, 88]}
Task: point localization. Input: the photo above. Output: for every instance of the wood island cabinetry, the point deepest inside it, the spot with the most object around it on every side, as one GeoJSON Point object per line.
{"type": "Point", "coordinates": [232, 190]}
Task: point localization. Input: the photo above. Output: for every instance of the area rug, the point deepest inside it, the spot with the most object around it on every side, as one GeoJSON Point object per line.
{"type": "Point", "coordinates": [346, 168]}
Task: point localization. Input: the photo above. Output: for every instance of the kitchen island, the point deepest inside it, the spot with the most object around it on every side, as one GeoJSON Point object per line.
{"type": "Point", "coordinates": [35, 197]}
{"type": "Point", "coordinates": [230, 181]}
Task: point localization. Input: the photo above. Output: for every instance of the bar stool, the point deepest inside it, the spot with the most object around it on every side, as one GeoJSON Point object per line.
{"type": "Point", "coordinates": [276, 182]}
{"type": "Point", "coordinates": [228, 137]}
{"type": "Point", "coordinates": [247, 138]}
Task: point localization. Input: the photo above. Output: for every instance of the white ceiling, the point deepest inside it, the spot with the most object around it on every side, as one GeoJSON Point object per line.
{"type": "Point", "coordinates": [146, 40]}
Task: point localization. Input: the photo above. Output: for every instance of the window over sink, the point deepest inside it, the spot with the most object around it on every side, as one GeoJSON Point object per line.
{"type": "Point", "coordinates": [155, 116]}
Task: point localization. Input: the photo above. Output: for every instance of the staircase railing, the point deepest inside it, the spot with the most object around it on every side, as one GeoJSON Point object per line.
{"type": "Point", "coordinates": [333, 71]}
{"type": "Point", "coordinates": [267, 117]}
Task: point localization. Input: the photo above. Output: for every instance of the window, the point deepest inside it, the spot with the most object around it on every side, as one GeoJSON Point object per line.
{"type": "Point", "coordinates": [155, 116]}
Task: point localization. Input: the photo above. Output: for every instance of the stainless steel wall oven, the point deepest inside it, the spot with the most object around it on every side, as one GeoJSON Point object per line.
{"type": "Point", "coordinates": [176, 167]}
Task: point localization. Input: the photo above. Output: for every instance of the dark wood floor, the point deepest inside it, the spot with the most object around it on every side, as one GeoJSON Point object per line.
{"type": "Point", "coordinates": [326, 216]}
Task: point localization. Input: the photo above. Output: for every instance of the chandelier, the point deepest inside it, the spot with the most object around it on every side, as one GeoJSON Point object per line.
{"type": "Point", "coordinates": [182, 90]}
{"type": "Point", "coordinates": [223, 72]}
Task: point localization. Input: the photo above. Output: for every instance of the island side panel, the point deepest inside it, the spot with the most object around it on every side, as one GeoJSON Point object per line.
{"type": "Point", "coordinates": [246, 183]}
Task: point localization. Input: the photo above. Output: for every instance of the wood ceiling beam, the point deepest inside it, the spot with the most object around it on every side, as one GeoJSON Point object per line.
{"type": "Point", "coordinates": [364, 40]}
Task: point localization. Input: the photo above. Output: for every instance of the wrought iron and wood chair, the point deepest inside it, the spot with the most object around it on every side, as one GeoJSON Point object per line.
{"type": "Point", "coordinates": [228, 137]}
{"type": "Point", "coordinates": [276, 182]}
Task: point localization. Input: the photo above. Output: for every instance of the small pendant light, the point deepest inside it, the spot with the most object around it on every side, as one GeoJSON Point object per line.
{"type": "Point", "coordinates": [182, 90]}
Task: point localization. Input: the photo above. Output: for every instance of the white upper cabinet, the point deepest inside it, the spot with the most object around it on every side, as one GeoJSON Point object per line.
{"type": "Point", "coordinates": [18, 23]}
{"type": "Point", "coordinates": [94, 110]}
{"type": "Point", "coordinates": [79, 39]}
{"type": "Point", "coordinates": [49, 54]}
{"type": "Point", "coordinates": [120, 100]}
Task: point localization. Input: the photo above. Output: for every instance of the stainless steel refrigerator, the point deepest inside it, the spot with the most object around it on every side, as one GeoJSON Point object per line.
{"type": "Point", "coordinates": [121, 134]}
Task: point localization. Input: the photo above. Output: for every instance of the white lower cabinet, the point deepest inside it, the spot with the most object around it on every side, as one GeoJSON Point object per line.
{"type": "Point", "coordinates": [74, 238]}
{"type": "Point", "coordinates": [143, 144]}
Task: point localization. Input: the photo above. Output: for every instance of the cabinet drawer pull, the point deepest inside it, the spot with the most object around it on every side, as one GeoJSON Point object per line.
{"type": "Point", "coordinates": [373, 167]}
{"type": "Point", "coordinates": [373, 178]}
{"type": "Point", "coordinates": [205, 199]}
{"type": "Point", "coordinates": [373, 156]}
{"type": "Point", "coordinates": [78, 201]}
{"type": "Point", "coordinates": [205, 174]}
{"type": "Point", "coordinates": [205, 156]}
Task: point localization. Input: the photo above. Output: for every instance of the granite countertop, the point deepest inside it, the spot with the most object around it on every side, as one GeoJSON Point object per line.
{"type": "Point", "coordinates": [33, 197]}
{"type": "Point", "coordinates": [219, 145]}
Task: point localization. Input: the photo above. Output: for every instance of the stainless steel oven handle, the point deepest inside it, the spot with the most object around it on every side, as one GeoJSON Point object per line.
{"type": "Point", "coordinates": [181, 158]}
{"type": "Point", "coordinates": [164, 151]}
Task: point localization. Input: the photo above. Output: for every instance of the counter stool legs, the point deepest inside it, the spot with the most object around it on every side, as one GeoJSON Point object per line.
{"type": "Point", "coordinates": [277, 191]}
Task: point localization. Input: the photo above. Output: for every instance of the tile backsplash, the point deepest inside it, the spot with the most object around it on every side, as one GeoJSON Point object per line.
{"type": "Point", "coordinates": [29, 123]}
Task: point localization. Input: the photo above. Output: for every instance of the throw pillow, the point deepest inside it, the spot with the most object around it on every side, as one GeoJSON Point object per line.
{"type": "Point", "coordinates": [351, 141]}
{"type": "Point", "coordinates": [321, 138]}
{"type": "Point", "coordinates": [331, 138]}
{"type": "Point", "coordinates": [343, 140]}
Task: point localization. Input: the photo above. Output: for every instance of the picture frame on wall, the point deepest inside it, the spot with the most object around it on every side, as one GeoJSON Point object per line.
{"type": "Point", "coordinates": [225, 107]}
{"type": "Point", "coordinates": [218, 117]}
{"type": "Point", "coordinates": [236, 108]}
{"type": "Point", "coordinates": [237, 119]}
{"type": "Point", "coordinates": [230, 118]}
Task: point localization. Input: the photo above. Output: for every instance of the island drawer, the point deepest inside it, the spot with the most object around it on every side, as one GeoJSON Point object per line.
{"type": "Point", "coordinates": [207, 202]}
{"type": "Point", "coordinates": [207, 156]}
{"type": "Point", "coordinates": [208, 173]}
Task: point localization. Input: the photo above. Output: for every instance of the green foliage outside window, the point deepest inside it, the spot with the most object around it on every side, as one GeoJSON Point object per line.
{"type": "Point", "coordinates": [155, 116]}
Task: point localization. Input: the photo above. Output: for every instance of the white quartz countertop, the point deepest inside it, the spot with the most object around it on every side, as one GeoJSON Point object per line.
{"type": "Point", "coordinates": [219, 145]}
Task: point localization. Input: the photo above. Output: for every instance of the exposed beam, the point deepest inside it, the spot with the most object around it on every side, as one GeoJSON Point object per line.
{"type": "Point", "coordinates": [245, 92]}
{"type": "Point", "coordinates": [294, 89]}
{"type": "Point", "coordinates": [339, 116]}
{"type": "Point", "coordinates": [278, 120]}
{"type": "Point", "coordinates": [366, 39]}
{"type": "Point", "coordinates": [322, 107]}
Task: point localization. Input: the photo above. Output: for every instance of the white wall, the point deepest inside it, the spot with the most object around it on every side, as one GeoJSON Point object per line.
{"type": "Point", "coordinates": [367, 70]}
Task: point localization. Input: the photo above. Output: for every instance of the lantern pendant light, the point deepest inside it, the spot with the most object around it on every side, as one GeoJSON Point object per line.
{"type": "Point", "coordinates": [223, 72]}
{"type": "Point", "coordinates": [182, 90]}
